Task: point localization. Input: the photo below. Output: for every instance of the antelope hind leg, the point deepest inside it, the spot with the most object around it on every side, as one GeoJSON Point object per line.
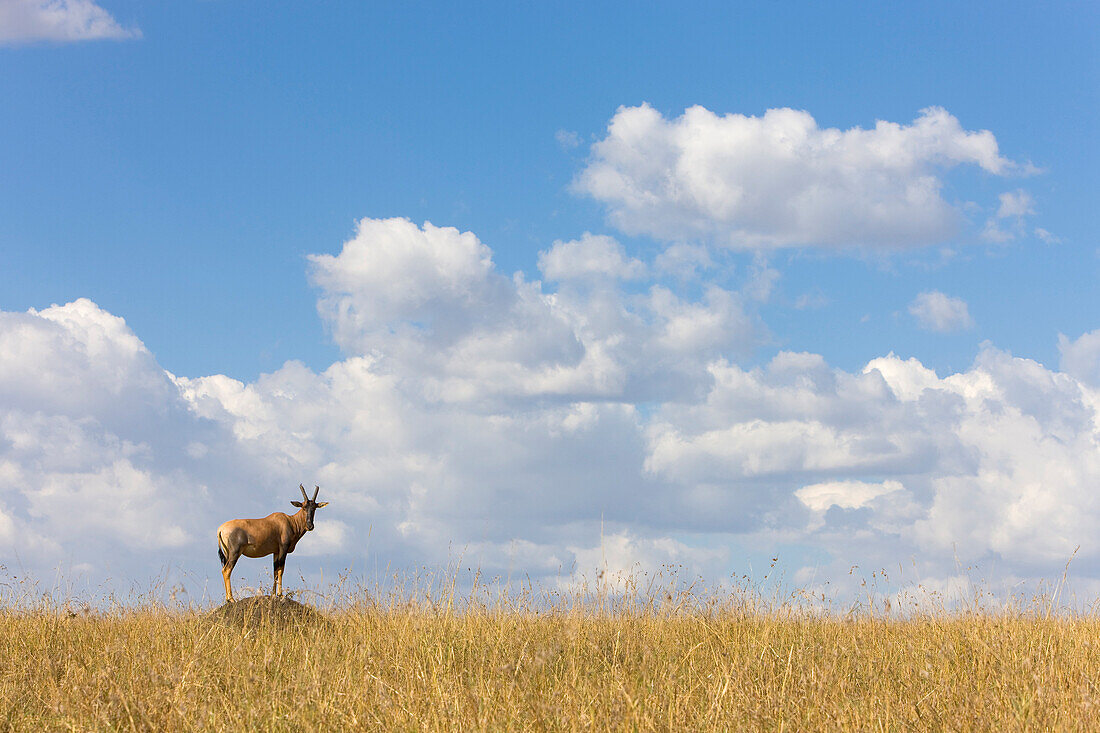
{"type": "Point", "coordinates": [227, 570]}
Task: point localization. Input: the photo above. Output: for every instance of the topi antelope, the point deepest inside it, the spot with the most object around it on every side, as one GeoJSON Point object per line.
{"type": "Point", "coordinates": [276, 534]}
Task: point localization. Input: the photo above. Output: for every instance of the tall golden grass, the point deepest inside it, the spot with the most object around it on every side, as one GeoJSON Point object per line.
{"type": "Point", "coordinates": [672, 659]}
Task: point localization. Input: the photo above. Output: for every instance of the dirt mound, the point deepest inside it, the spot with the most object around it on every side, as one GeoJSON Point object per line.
{"type": "Point", "coordinates": [257, 610]}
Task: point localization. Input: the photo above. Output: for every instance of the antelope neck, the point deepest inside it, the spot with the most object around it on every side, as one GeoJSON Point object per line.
{"type": "Point", "coordinates": [299, 519]}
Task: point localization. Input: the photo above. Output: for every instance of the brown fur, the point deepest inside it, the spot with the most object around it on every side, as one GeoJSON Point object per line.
{"type": "Point", "coordinates": [276, 534]}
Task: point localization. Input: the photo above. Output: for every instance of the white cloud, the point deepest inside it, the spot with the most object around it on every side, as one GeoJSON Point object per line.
{"type": "Point", "coordinates": [1081, 357]}
{"type": "Point", "coordinates": [132, 506]}
{"type": "Point", "coordinates": [995, 462]}
{"type": "Point", "coordinates": [1015, 207]}
{"type": "Point", "coordinates": [935, 311]}
{"type": "Point", "coordinates": [811, 301]}
{"type": "Point", "coordinates": [906, 379]}
{"type": "Point", "coordinates": [567, 139]}
{"type": "Point", "coordinates": [835, 503]}
{"type": "Point", "coordinates": [476, 410]}
{"type": "Point", "coordinates": [1016, 204]}
{"type": "Point", "coordinates": [394, 275]}
{"type": "Point", "coordinates": [591, 256]}
{"type": "Point", "coordinates": [429, 303]}
{"type": "Point", "coordinates": [24, 21]}
{"type": "Point", "coordinates": [780, 180]}
{"type": "Point", "coordinates": [683, 261]}
{"type": "Point", "coordinates": [711, 326]}
{"type": "Point", "coordinates": [994, 232]}
{"type": "Point", "coordinates": [93, 440]}
{"type": "Point", "coordinates": [621, 561]}
{"type": "Point", "coordinates": [1046, 236]}
{"type": "Point", "coordinates": [844, 494]}
{"type": "Point", "coordinates": [762, 280]}
{"type": "Point", "coordinates": [329, 537]}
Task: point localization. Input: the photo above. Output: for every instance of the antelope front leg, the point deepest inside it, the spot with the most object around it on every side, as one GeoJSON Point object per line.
{"type": "Point", "coordinates": [280, 563]}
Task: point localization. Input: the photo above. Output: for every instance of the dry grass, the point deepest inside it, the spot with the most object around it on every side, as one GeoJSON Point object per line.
{"type": "Point", "coordinates": [564, 663]}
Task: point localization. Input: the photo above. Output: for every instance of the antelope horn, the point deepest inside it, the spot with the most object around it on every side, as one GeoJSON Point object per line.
{"type": "Point", "coordinates": [303, 490]}
{"type": "Point", "coordinates": [315, 490]}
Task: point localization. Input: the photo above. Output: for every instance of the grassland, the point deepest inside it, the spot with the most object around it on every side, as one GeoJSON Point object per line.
{"type": "Point", "coordinates": [567, 664]}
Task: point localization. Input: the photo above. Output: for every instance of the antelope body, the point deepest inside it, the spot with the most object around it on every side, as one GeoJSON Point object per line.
{"type": "Point", "coordinates": [276, 534]}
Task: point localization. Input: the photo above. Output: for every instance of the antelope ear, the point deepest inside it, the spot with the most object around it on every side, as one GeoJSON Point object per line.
{"type": "Point", "coordinates": [296, 503]}
{"type": "Point", "coordinates": [323, 503]}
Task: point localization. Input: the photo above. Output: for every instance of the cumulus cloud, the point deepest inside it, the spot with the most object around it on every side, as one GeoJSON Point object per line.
{"type": "Point", "coordinates": [92, 436]}
{"type": "Point", "coordinates": [1081, 357]}
{"type": "Point", "coordinates": [844, 494]}
{"type": "Point", "coordinates": [61, 21]}
{"type": "Point", "coordinates": [996, 461]}
{"type": "Point", "coordinates": [683, 260]}
{"type": "Point", "coordinates": [561, 433]}
{"type": "Point", "coordinates": [892, 459]}
{"type": "Point", "coordinates": [430, 304]}
{"type": "Point", "coordinates": [591, 256]}
{"type": "Point", "coordinates": [327, 538]}
{"type": "Point", "coordinates": [395, 276]}
{"type": "Point", "coordinates": [935, 311]}
{"type": "Point", "coordinates": [781, 180]}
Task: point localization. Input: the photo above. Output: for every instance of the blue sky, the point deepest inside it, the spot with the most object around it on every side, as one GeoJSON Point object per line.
{"type": "Point", "coordinates": [189, 170]}
{"type": "Point", "coordinates": [237, 137]}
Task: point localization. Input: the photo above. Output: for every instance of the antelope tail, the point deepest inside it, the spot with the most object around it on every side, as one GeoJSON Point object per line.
{"type": "Point", "coordinates": [221, 551]}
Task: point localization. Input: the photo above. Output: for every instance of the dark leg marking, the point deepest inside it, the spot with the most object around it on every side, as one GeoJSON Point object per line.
{"type": "Point", "coordinates": [279, 563]}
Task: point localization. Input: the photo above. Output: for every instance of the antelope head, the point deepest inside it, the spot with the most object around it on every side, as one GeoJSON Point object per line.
{"type": "Point", "coordinates": [309, 505]}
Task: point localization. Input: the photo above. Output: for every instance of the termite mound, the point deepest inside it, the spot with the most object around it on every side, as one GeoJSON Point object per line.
{"type": "Point", "coordinates": [262, 610]}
